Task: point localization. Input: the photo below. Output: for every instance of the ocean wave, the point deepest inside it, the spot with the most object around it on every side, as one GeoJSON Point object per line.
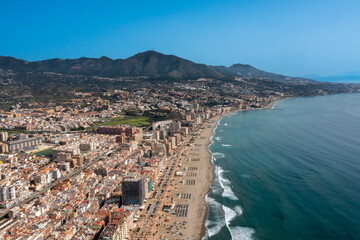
{"type": "Point", "coordinates": [218, 155]}
{"type": "Point", "coordinates": [238, 233]}
{"type": "Point", "coordinates": [226, 145]}
{"type": "Point", "coordinates": [229, 214]}
{"type": "Point", "coordinates": [241, 233]}
{"type": "Point", "coordinates": [225, 185]}
{"type": "Point", "coordinates": [218, 138]}
{"type": "Point", "coordinates": [225, 124]}
{"type": "Point", "coordinates": [214, 226]}
{"type": "Point", "coordinates": [223, 214]}
{"type": "Point", "coordinates": [238, 210]}
{"type": "Point", "coordinates": [228, 193]}
{"type": "Point", "coordinates": [216, 186]}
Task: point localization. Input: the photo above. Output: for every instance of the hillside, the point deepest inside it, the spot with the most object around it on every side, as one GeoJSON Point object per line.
{"type": "Point", "coordinates": [150, 63]}
{"type": "Point", "coordinates": [56, 80]}
{"type": "Point", "coordinates": [245, 70]}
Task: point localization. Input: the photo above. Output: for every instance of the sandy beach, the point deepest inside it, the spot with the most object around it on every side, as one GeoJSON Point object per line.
{"type": "Point", "coordinates": [187, 219]}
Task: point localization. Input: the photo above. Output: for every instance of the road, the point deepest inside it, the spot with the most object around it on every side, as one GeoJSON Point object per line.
{"type": "Point", "coordinates": [165, 178]}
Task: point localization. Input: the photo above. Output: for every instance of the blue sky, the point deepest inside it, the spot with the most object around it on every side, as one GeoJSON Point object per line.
{"type": "Point", "coordinates": [293, 37]}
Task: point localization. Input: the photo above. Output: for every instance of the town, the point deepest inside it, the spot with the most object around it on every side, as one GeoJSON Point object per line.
{"type": "Point", "coordinates": [98, 169]}
{"type": "Point", "coordinates": [179, 120]}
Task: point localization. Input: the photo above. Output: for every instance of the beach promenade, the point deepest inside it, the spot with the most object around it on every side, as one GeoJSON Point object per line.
{"type": "Point", "coordinates": [188, 191]}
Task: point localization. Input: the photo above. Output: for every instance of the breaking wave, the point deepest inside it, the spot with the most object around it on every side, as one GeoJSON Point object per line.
{"type": "Point", "coordinates": [221, 215]}
{"type": "Point", "coordinates": [218, 155]}
{"type": "Point", "coordinates": [226, 145]}
{"type": "Point", "coordinates": [214, 226]}
{"type": "Point", "coordinates": [236, 232]}
{"type": "Point", "coordinates": [225, 185]}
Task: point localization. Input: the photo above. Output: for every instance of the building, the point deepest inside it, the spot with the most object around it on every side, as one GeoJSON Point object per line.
{"type": "Point", "coordinates": [172, 139]}
{"type": "Point", "coordinates": [64, 166]}
{"type": "Point", "coordinates": [119, 225]}
{"type": "Point", "coordinates": [4, 136]}
{"type": "Point", "coordinates": [177, 137]}
{"type": "Point", "coordinates": [4, 148]}
{"type": "Point", "coordinates": [163, 134]}
{"type": "Point", "coordinates": [198, 120]}
{"type": "Point", "coordinates": [129, 131]}
{"type": "Point", "coordinates": [168, 146]}
{"type": "Point", "coordinates": [121, 138]}
{"type": "Point", "coordinates": [133, 191]}
{"type": "Point", "coordinates": [87, 147]}
{"type": "Point", "coordinates": [7, 193]}
{"type": "Point", "coordinates": [24, 143]}
{"type": "Point", "coordinates": [63, 156]}
{"type": "Point", "coordinates": [25, 127]}
{"type": "Point", "coordinates": [148, 184]}
{"type": "Point", "coordinates": [159, 149]}
{"type": "Point", "coordinates": [70, 149]}
{"type": "Point", "coordinates": [175, 126]}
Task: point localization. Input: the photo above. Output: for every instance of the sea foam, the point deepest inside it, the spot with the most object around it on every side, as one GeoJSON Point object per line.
{"type": "Point", "coordinates": [218, 155]}
{"type": "Point", "coordinates": [225, 185]}
{"type": "Point", "coordinates": [238, 233]}
{"type": "Point", "coordinates": [224, 215]}
{"type": "Point", "coordinates": [226, 145]}
{"type": "Point", "coordinates": [215, 226]}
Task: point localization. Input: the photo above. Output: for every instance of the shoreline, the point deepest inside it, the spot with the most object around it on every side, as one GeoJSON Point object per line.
{"type": "Point", "coordinates": [188, 191]}
{"type": "Point", "coordinates": [269, 106]}
{"type": "Point", "coordinates": [218, 192]}
{"type": "Point", "coordinates": [206, 215]}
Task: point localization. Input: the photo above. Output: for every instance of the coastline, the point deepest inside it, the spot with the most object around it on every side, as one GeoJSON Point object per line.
{"type": "Point", "coordinates": [235, 222]}
{"type": "Point", "coordinates": [203, 232]}
{"type": "Point", "coordinates": [189, 190]}
{"type": "Point", "coordinates": [188, 218]}
{"type": "Point", "coordinates": [269, 106]}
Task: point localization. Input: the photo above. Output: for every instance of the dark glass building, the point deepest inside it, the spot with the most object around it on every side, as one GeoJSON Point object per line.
{"type": "Point", "coordinates": [133, 191]}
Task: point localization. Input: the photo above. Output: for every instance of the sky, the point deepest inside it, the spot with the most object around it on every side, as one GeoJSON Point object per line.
{"type": "Point", "coordinates": [291, 37]}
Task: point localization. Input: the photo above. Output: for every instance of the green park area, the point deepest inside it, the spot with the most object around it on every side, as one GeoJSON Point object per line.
{"type": "Point", "coordinates": [46, 152]}
{"type": "Point", "coordinates": [134, 121]}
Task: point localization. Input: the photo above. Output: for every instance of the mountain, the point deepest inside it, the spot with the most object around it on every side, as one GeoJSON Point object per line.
{"type": "Point", "coordinates": [155, 64]}
{"type": "Point", "coordinates": [245, 70]}
{"type": "Point", "coordinates": [150, 63]}
{"type": "Point", "coordinates": [56, 80]}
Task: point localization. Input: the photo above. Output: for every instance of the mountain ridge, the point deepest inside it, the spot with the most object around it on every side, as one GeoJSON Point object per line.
{"type": "Point", "coordinates": [149, 63]}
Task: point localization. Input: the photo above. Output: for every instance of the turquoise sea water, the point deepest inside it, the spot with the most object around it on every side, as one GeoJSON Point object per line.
{"type": "Point", "coordinates": [291, 172]}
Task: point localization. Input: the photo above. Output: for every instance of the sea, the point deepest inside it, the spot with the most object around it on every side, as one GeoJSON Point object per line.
{"type": "Point", "coordinates": [290, 172]}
